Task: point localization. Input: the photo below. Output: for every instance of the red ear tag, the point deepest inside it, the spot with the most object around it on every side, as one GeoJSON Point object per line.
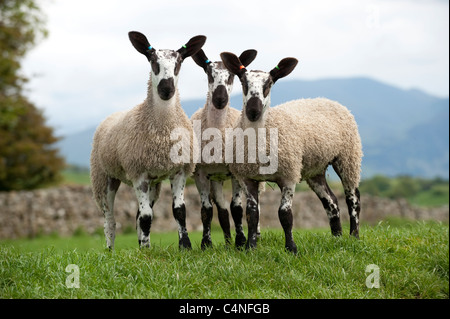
{"type": "Point", "coordinates": [241, 67]}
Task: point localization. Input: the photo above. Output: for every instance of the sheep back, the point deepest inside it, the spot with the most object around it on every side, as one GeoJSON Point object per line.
{"type": "Point", "coordinates": [312, 134]}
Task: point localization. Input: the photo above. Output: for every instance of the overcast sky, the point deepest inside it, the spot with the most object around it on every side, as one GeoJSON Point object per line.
{"type": "Point", "coordinates": [87, 68]}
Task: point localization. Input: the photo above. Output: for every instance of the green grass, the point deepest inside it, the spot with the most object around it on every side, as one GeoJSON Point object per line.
{"type": "Point", "coordinates": [76, 176]}
{"type": "Point", "coordinates": [413, 261]}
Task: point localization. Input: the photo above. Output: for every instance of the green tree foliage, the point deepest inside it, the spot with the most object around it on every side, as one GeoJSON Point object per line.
{"type": "Point", "coordinates": [27, 159]}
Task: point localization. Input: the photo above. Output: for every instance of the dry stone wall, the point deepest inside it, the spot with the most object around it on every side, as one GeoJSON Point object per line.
{"type": "Point", "coordinates": [66, 209]}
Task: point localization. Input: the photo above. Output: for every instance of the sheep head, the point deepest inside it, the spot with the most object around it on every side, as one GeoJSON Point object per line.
{"type": "Point", "coordinates": [165, 64]}
{"type": "Point", "coordinates": [220, 80]}
{"type": "Point", "coordinates": [256, 85]}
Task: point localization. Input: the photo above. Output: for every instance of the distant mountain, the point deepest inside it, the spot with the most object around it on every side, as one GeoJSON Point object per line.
{"type": "Point", "coordinates": [403, 131]}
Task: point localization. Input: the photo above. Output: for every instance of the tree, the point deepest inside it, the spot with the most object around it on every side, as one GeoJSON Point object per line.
{"type": "Point", "coordinates": [27, 158]}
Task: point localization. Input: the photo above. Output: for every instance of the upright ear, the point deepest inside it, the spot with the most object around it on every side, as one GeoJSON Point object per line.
{"type": "Point", "coordinates": [232, 63]}
{"type": "Point", "coordinates": [192, 47]}
{"type": "Point", "coordinates": [284, 67]}
{"type": "Point", "coordinates": [201, 59]}
{"type": "Point", "coordinates": [140, 43]}
{"type": "Point", "coordinates": [247, 57]}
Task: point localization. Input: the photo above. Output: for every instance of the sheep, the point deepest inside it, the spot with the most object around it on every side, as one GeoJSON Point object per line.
{"type": "Point", "coordinates": [312, 134]}
{"type": "Point", "coordinates": [134, 146]}
{"type": "Point", "coordinates": [209, 176]}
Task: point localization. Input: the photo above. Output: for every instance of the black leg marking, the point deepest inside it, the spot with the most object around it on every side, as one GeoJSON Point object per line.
{"type": "Point", "coordinates": [237, 212]}
{"type": "Point", "coordinates": [286, 220]}
{"type": "Point", "coordinates": [252, 213]}
{"type": "Point", "coordinates": [145, 222]}
{"type": "Point", "coordinates": [222, 211]}
{"type": "Point", "coordinates": [207, 215]}
{"type": "Point", "coordinates": [285, 214]}
{"type": "Point", "coordinates": [224, 221]}
{"type": "Point", "coordinates": [180, 216]}
{"type": "Point", "coordinates": [329, 201]}
{"type": "Point", "coordinates": [353, 201]}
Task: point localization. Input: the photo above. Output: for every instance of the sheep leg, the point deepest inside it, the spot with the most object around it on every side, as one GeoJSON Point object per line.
{"type": "Point", "coordinates": [224, 220]}
{"type": "Point", "coordinates": [252, 212]}
{"type": "Point", "coordinates": [177, 183]}
{"type": "Point", "coordinates": [107, 206]}
{"type": "Point", "coordinates": [203, 187]}
{"type": "Point", "coordinates": [352, 198]}
{"type": "Point", "coordinates": [329, 201]}
{"type": "Point", "coordinates": [237, 213]}
{"type": "Point", "coordinates": [285, 215]}
{"type": "Point", "coordinates": [147, 194]}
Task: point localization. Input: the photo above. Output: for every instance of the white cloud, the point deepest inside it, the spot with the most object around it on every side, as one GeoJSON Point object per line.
{"type": "Point", "coordinates": [88, 69]}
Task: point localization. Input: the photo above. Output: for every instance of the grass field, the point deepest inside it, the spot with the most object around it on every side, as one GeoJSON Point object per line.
{"type": "Point", "coordinates": [412, 260]}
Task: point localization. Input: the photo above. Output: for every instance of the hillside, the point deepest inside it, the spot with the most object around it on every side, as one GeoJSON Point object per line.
{"type": "Point", "coordinates": [403, 131]}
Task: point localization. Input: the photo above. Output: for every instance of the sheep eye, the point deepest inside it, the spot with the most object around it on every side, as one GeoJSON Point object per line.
{"type": "Point", "coordinates": [178, 66]}
{"type": "Point", "coordinates": [230, 79]}
{"type": "Point", "coordinates": [245, 87]}
{"type": "Point", "coordinates": [266, 87]}
{"type": "Point", "coordinates": [244, 84]}
{"type": "Point", "coordinates": [155, 66]}
{"type": "Point", "coordinates": [210, 77]}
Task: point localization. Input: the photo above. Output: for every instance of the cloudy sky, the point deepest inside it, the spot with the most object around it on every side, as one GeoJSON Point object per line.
{"type": "Point", "coordinates": [87, 68]}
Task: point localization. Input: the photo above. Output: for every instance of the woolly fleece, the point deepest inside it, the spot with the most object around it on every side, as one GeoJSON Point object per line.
{"type": "Point", "coordinates": [312, 134]}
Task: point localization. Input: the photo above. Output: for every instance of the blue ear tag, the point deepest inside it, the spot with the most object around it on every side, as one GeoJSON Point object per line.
{"type": "Point", "coordinates": [207, 61]}
{"type": "Point", "coordinates": [150, 47]}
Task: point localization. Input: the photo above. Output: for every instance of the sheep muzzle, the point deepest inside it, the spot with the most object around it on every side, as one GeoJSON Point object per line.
{"type": "Point", "coordinates": [220, 97]}
{"type": "Point", "coordinates": [166, 89]}
{"type": "Point", "coordinates": [253, 109]}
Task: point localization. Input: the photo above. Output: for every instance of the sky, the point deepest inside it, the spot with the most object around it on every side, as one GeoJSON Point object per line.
{"type": "Point", "coordinates": [87, 68]}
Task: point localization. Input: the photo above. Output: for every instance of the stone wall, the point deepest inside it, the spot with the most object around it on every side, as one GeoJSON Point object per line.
{"type": "Point", "coordinates": [65, 209]}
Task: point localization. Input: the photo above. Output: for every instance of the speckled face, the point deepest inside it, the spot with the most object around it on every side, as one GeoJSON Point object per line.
{"type": "Point", "coordinates": [220, 84]}
{"type": "Point", "coordinates": [166, 66]}
{"type": "Point", "coordinates": [256, 87]}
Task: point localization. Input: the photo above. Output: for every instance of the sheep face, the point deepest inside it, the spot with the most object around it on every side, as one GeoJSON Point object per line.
{"type": "Point", "coordinates": [256, 85]}
{"type": "Point", "coordinates": [220, 79]}
{"type": "Point", "coordinates": [220, 84]}
{"type": "Point", "coordinates": [165, 64]}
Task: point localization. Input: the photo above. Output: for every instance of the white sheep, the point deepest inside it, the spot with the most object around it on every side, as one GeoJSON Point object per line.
{"type": "Point", "coordinates": [135, 146]}
{"type": "Point", "coordinates": [209, 176]}
{"type": "Point", "coordinates": [312, 134]}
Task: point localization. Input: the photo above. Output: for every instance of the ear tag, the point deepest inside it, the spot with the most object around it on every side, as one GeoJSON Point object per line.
{"type": "Point", "coordinates": [150, 47]}
{"type": "Point", "coordinates": [241, 67]}
{"type": "Point", "coordinates": [277, 67]}
{"type": "Point", "coordinates": [207, 61]}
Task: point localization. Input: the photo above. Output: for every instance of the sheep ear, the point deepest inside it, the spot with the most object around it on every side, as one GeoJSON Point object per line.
{"type": "Point", "coordinates": [284, 67]}
{"type": "Point", "coordinates": [247, 57]}
{"type": "Point", "coordinates": [140, 43]}
{"type": "Point", "coordinates": [192, 47]}
{"type": "Point", "coordinates": [201, 59]}
{"type": "Point", "coordinates": [233, 64]}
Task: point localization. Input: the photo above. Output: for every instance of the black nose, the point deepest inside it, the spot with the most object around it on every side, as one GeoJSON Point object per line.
{"type": "Point", "coordinates": [220, 97]}
{"type": "Point", "coordinates": [166, 89]}
{"type": "Point", "coordinates": [253, 110]}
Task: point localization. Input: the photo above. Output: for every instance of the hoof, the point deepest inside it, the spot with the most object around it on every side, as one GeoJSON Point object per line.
{"type": "Point", "coordinates": [206, 243]}
{"type": "Point", "coordinates": [240, 240]}
{"type": "Point", "coordinates": [251, 244]}
{"type": "Point", "coordinates": [144, 244]}
{"type": "Point", "coordinates": [355, 234]}
{"type": "Point", "coordinates": [184, 243]}
{"type": "Point", "coordinates": [291, 247]}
